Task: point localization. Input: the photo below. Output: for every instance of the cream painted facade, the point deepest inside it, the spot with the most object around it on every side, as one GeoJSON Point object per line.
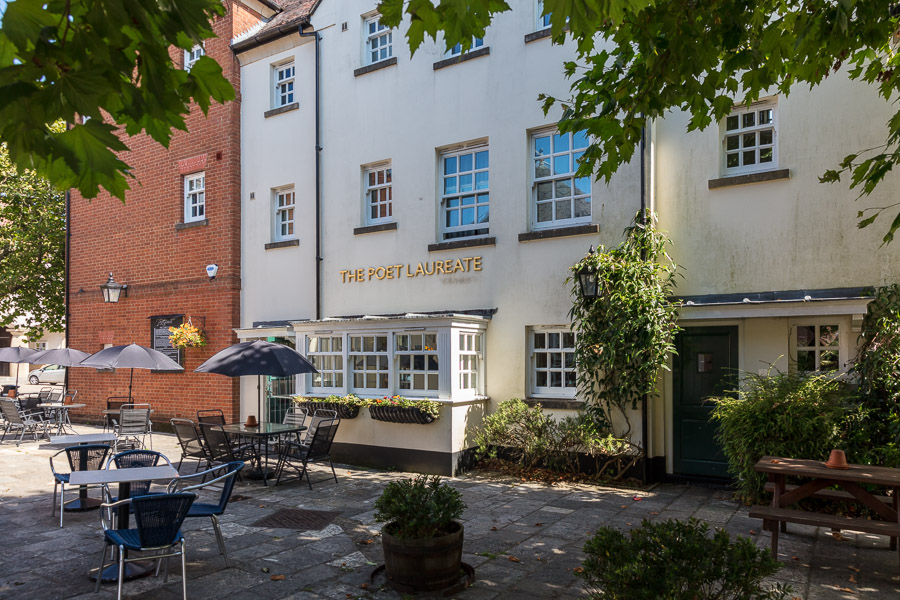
{"type": "Point", "coordinates": [787, 234]}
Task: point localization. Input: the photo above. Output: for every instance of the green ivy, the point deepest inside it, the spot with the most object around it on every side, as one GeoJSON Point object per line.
{"type": "Point", "coordinates": [624, 337]}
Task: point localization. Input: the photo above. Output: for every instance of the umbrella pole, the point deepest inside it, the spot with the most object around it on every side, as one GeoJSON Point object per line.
{"type": "Point", "coordinates": [259, 397]}
{"type": "Point", "coordinates": [130, 381]}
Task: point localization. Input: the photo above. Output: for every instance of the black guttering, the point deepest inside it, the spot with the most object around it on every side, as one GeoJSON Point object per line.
{"type": "Point", "coordinates": [781, 296]}
{"type": "Point", "coordinates": [318, 38]}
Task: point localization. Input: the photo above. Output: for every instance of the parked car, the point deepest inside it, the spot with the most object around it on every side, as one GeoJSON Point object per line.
{"type": "Point", "coordinates": [47, 374]}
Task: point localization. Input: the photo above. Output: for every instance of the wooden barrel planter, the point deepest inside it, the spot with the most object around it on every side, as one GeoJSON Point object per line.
{"type": "Point", "coordinates": [400, 414]}
{"type": "Point", "coordinates": [344, 411]}
{"type": "Point", "coordinates": [423, 564]}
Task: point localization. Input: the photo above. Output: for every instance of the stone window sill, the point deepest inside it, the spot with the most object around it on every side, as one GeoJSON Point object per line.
{"type": "Point", "coordinates": [546, 234]}
{"type": "Point", "coordinates": [760, 177]}
{"type": "Point", "coordinates": [375, 66]}
{"type": "Point", "coordinates": [563, 403]}
{"type": "Point", "coordinates": [375, 228]}
{"type": "Point", "coordinates": [191, 224]}
{"type": "Point", "coordinates": [281, 109]}
{"type": "Point", "coordinates": [457, 244]}
{"type": "Point", "coordinates": [538, 35]}
{"type": "Point", "coordinates": [455, 60]}
{"type": "Point", "coordinates": [282, 244]}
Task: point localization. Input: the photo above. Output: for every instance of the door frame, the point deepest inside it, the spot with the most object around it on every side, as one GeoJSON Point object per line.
{"type": "Point", "coordinates": [674, 379]}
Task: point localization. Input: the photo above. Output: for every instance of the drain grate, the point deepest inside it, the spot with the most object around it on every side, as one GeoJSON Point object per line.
{"type": "Point", "coordinates": [298, 518]}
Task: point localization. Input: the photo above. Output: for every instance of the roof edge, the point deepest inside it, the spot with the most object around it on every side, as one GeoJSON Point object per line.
{"type": "Point", "coordinates": [815, 295]}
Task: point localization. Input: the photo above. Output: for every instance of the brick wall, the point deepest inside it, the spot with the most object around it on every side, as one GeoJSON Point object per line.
{"type": "Point", "coordinates": [164, 266]}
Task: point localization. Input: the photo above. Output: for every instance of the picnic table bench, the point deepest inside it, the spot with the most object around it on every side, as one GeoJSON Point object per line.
{"type": "Point", "coordinates": [777, 515]}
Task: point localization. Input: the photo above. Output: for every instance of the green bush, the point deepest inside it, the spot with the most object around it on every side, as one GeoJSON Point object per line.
{"type": "Point", "coordinates": [780, 414]}
{"type": "Point", "coordinates": [419, 508]}
{"type": "Point", "coordinates": [532, 438]}
{"type": "Point", "coordinates": [677, 560]}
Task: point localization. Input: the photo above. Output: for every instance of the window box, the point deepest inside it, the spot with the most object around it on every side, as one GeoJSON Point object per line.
{"type": "Point", "coordinates": [400, 414]}
{"type": "Point", "coordinates": [344, 411]}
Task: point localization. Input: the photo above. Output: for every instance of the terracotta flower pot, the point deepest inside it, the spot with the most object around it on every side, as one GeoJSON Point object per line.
{"type": "Point", "coordinates": [251, 421]}
{"type": "Point", "coordinates": [837, 460]}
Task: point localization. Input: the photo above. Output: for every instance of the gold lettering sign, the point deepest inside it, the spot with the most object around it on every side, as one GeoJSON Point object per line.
{"type": "Point", "coordinates": [409, 270]}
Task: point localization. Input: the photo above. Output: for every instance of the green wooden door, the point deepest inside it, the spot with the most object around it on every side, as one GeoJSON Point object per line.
{"type": "Point", "coordinates": [705, 366]}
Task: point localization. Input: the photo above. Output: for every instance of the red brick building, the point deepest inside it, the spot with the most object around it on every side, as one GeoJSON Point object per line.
{"type": "Point", "coordinates": [182, 213]}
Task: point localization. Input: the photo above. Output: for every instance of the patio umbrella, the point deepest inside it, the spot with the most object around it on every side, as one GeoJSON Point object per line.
{"type": "Point", "coordinates": [132, 356]}
{"type": "Point", "coordinates": [15, 354]}
{"type": "Point", "coordinates": [64, 357]}
{"type": "Point", "coordinates": [257, 358]}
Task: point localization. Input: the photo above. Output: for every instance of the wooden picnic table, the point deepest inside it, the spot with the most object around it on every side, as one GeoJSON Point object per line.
{"type": "Point", "coordinates": [820, 477]}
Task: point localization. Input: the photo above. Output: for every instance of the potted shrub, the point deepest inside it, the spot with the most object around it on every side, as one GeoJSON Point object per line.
{"type": "Point", "coordinates": [397, 409]}
{"type": "Point", "coordinates": [347, 407]}
{"type": "Point", "coordinates": [422, 539]}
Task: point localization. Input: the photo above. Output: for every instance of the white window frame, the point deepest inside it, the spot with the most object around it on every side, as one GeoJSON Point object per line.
{"type": "Point", "coordinates": [370, 356]}
{"type": "Point", "coordinates": [456, 50]}
{"type": "Point", "coordinates": [39, 346]}
{"type": "Point", "coordinates": [430, 377]}
{"type": "Point", "coordinates": [559, 146]}
{"type": "Point", "coordinates": [376, 33]}
{"type": "Point", "coordinates": [284, 210]}
{"type": "Point", "coordinates": [537, 366]}
{"type": "Point", "coordinates": [194, 186]}
{"type": "Point", "coordinates": [454, 201]}
{"type": "Point", "coordinates": [378, 195]}
{"type": "Point", "coordinates": [284, 84]}
{"type": "Point", "coordinates": [541, 22]}
{"type": "Point", "coordinates": [470, 359]}
{"type": "Point", "coordinates": [328, 362]}
{"type": "Point", "coordinates": [764, 136]}
{"type": "Point", "coordinates": [193, 55]}
{"type": "Point", "coordinates": [842, 347]}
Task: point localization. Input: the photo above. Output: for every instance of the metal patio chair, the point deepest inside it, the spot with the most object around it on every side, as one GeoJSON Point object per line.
{"type": "Point", "coordinates": [298, 456]}
{"type": "Point", "coordinates": [26, 422]}
{"type": "Point", "coordinates": [157, 532]}
{"type": "Point", "coordinates": [130, 459]}
{"type": "Point", "coordinates": [86, 457]}
{"type": "Point", "coordinates": [191, 443]}
{"type": "Point", "coordinates": [224, 475]}
{"type": "Point", "coordinates": [133, 426]}
{"type": "Point", "coordinates": [319, 415]}
{"type": "Point", "coordinates": [222, 449]}
{"type": "Point", "coordinates": [212, 416]}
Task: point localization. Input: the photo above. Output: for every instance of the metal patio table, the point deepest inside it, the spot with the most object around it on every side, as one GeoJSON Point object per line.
{"type": "Point", "coordinates": [62, 415]}
{"type": "Point", "coordinates": [82, 502]}
{"type": "Point", "coordinates": [262, 433]}
{"type": "Point", "coordinates": [124, 477]}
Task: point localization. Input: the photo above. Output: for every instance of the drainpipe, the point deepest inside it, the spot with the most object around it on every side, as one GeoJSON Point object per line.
{"type": "Point", "coordinates": [316, 35]}
{"type": "Point", "coordinates": [645, 415]}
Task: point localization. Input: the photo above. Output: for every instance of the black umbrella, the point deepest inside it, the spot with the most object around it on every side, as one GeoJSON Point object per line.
{"type": "Point", "coordinates": [132, 356]}
{"type": "Point", "coordinates": [64, 357]}
{"type": "Point", "coordinates": [257, 358]}
{"type": "Point", "coordinates": [16, 354]}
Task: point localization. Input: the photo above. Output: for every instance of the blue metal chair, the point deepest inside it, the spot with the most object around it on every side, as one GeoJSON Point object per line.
{"type": "Point", "coordinates": [87, 457]}
{"type": "Point", "coordinates": [157, 531]}
{"type": "Point", "coordinates": [136, 458]}
{"type": "Point", "coordinates": [226, 475]}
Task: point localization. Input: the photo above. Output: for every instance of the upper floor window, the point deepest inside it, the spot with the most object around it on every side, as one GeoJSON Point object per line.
{"type": "Point", "coordinates": [748, 138]}
{"type": "Point", "coordinates": [379, 41]}
{"type": "Point", "coordinates": [194, 197]}
{"type": "Point", "coordinates": [552, 362]}
{"type": "Point", "coordinates": [191, 56]}
{"type": "Point", "coordinates": [559, 196]}
{"type": "Point", "coordinates": [543, 21]}
{"type": "Point", "coordinates": [456, 50]}
{"type": "Point", "coordinates": [284, 84]}
{"type": "Point", "coordinates": [817, 347]}
{"type": "Point", "coordinates": [465, 193]}
{"type": "Point", "coordinates": [379, 195]}
{"type": "Point", "coordinates": [285, 201]}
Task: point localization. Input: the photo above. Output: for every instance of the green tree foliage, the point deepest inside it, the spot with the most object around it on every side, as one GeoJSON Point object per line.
{"type": "Point", "coordinates": [781, 414]}
{"type": "Point", "coordinates": [639, 59]}
{"type": "Point", "coordinates": [625, 336]}
{"type": "Point", "coordinates": [32, 250]}
{"type": "Point", "coordinates": [677, 560]}
{"type": "Point", "coordinates": [99, 58]}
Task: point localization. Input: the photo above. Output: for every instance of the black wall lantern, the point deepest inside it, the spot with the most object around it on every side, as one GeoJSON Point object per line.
{"type": "Point", "coordinates": [112, 290]}
{"type": "Point", "coordinates": [587, 279]}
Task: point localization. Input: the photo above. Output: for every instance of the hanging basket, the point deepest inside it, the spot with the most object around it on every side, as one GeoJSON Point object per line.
{"type": "Point", "coordinates": [400, 414]}
{"type": "Point", "coordinates": [344, 411]}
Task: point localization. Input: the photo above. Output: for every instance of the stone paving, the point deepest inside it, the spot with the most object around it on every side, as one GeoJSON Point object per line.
{"type": "Point", "coordinates": [523, 539]}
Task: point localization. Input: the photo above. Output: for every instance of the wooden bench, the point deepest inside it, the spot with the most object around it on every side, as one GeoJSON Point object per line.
{"type": "Point", "coordinates": [839, 495]}
{"type": "Point", "coordinates": [836, 522]}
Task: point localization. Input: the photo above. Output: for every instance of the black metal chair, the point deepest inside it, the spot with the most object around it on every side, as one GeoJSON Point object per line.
{"type": "Point", "coordinates": [222, 449]}
{"type": "Point", "coordinates": [113, 404]}
{"type": "Point", "coordinates": [298, 455]}
{"type": "Point", "coordinates": [133, 426]}
{"type": "Point", "coordinates": [157, 531]}
{"type": "Point", "coordinates": [191, 443]}
{"type": "Point", "coordinates": [212, 416]}
{"type": "Point", "coordinates": [31, 422]}
{"type": "Point", "coordinates": [87, 457]}
{"type": "Point", "coordinates": [224, 475]}
{"type": "Point", "coordinates": [319, 415]}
